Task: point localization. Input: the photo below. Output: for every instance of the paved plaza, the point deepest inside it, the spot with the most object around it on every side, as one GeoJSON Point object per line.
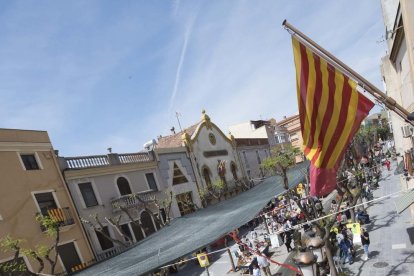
{"type": "Point", "coordinates": [391, 249]}
{"type": "Point", "coordinates": [391, 235]}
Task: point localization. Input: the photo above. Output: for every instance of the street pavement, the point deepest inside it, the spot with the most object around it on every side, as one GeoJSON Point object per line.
{"type": "Point", "coordinates": [220, 263]}
{"type": "Point", "coordinates": [391, 249]}
{"type": "Point", "coordinates": [391, 235]}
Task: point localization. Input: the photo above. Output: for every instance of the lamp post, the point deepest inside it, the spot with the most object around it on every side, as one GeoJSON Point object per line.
{"type": "Point", "coordinates": [315, 245]}
{"type": "Point", "coordinates": [306, 262]}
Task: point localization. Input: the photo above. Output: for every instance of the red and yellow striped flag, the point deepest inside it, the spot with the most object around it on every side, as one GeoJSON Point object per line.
{"type": "Point", "coordinates": [331, 111]}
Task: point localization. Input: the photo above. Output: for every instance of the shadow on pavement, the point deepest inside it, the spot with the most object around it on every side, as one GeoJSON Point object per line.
{"type": "Point", "coordinates": [398, 270]}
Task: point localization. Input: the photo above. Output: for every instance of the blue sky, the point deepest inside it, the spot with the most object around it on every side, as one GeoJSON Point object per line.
{"type": "Point", "coordinates": [99, 74]}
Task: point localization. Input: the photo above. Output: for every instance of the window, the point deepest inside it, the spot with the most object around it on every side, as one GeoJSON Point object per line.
{"type": "Point", "coordinates": [12, 267]}
{"type": "Point", "coordinates": [294, 137]}
{"type": "Point", "coordinates": [151, 181]}
{"type": "Point", "coordinates": [137, 231]}
{"type": "Point", "coordinates": [185, 203]}
{"type": "Point", "coordinates": [126, 231]}
{"type": "Point", "coordinates": [258, 157]}
{"type": "Point", "coordinates": [123, 186]}
{"type": "Point", "coordinates": [178, 176]}
{"type": "Point", "coordinates": [163, 214]}
{"type": "Point", "coordinates": [104, 241]}
{"type": "Point", "coordinates": [146, 222]}
{"type": "Point", "coordinates": [277, 139]}
{"type": "Point", "coordinates": [245, 159]}
{"type": "Point", "coordinates": [46, 202]}
{"type": "Point", "coordinates": [234, 170]}
{"type": "Point", "coordinates": [206, 175]}
{"type": "Point", "coordinates": [29, 162]}
{"type": "Point", "coordinates": [88, 194]}
{"type": "Point", "coordinates": [69, 256]}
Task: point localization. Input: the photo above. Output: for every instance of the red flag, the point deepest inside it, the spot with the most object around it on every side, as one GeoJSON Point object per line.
{"type": "Point", "coordinates": [330, 110]}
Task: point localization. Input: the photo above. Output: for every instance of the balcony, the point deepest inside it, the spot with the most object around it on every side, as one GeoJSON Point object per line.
{"type": "Point", "coordinates": [62, 216]}
{"type": "Point", "coordinates": [109, 253]}
{"type": "Point", "coordinates": [131, 201]}
{"type": "Point", "coordinates": [96, 161]}
{"type": "Point", "coordinates": [87, 161]}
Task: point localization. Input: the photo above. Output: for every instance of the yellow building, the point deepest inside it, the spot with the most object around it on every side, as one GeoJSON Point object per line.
{"type": "Point", "coordinates": [292, 124]}
{"type": "Point", "coordinates": [30, 185]}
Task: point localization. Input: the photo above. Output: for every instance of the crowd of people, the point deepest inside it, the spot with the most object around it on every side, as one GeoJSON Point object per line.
{"type": "Point", "coordinates": [288, 217]}
{"type": "Point", "coordinates": [285, 213]}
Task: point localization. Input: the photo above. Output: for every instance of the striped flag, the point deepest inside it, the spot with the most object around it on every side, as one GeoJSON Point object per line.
{"type": "Point", "coordinates": [331, 111]}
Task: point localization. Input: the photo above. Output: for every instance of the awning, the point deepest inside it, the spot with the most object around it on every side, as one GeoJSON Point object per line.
{"type": "Point", "coordinates": [189, 233]}
{"type": "Point", "coordinates": [404, 201]}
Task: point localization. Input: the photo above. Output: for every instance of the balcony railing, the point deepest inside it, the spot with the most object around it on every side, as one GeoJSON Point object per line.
{"type": "Point", "coordinates": [138, 157]}
{"type": "Point", "coordinates": [87, 161]}
{"type": "Point", "coordinates": [62, 216]}
{"type": "Point", "coordinates": [109, 253]}
{"type": "Point", "coordinates": [93, 161]}
{"type": "Point", "coordinates": [131, 201]}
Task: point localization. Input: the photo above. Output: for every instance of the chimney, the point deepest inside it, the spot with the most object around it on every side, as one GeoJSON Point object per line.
{"type": "Point", "coordinates": [172, 130]}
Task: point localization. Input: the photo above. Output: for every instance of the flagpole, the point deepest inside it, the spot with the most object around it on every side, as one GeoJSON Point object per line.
{"type": "Point", "coordinates": [389, 102]}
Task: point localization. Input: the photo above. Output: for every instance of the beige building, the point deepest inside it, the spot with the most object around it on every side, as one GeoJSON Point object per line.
{"type": "Point", "coordinates": [398, 74]}
{"type": "Point", "coordinates": [398, 66]}
{"type": "Point", "coordinates": [292, 124]}
{"type": "Point", "coordinates": [31, 185]}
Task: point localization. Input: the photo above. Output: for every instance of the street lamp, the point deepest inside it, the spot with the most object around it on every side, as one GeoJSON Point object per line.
{"type": "Point", "coordinates": [306, 262]}
{"type": "Point", "coordinates": [315, 245]}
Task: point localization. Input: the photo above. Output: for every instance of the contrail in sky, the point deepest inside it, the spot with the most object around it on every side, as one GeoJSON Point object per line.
{"type": "Point", "coordinates": [181, 61]}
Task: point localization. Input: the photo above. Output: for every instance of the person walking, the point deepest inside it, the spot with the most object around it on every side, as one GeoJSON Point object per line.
{"type": "Point", "coordinates": [263, 264]}
{"type": "Point", "coordinates": [365, 242]}
{"type": "Point", "coordinates": [345, 248]}
{"type": "Point", "coordinates": [388, 164]}
{"type": "Point", "coordinates": [288, 241]}
{"type": "Point", "coordinates": [256, 270]}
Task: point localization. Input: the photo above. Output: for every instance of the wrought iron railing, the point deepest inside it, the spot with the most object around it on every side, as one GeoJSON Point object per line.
{"type": "Point", "coordinates": [62, 216]}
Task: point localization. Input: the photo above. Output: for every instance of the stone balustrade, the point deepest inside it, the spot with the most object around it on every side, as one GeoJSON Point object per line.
{"type": "Point", "coordinates": [131, 201]}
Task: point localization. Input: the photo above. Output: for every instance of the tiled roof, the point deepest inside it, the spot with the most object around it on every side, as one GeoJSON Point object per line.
{"type": "Point", "coordinates": [175, 141]}
{"type": "Point", "coordinates": [288, 119]}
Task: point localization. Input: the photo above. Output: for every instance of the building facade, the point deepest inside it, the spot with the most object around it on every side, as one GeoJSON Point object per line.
{"type": "Point", "coordinates": [32, 187]}
{"type": "Point", "coordinates": [212, 155]}
{"type": "Point", "coordinates": [281, 135]}
{"type": "Point", "coordinates": [254, 140]}
{"type": "Point", "coordinates": [259, 129]}
{"type": "Point", "coordinates": [398, 66]}
{"type": "Point", "coordinates": [251, 153]}
{"type": "Point", "coordinates": [292, 124]}
{"type": "Point", "coordinates": [179, 175]}
{"type": "Point", "coordinates": [115, 195]}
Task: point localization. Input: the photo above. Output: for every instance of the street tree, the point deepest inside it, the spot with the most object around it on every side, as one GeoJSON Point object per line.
{"type": "Point", "coordinates": [41, 253]}
{"type": "Point", "coordinates": [216, 190]}
{"type": "Point", "coordinates": [96, 224]}
{"type": "Point", "coordinates": [15, 265]}
{"type": "Point", "coordinates": [279, 162]}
